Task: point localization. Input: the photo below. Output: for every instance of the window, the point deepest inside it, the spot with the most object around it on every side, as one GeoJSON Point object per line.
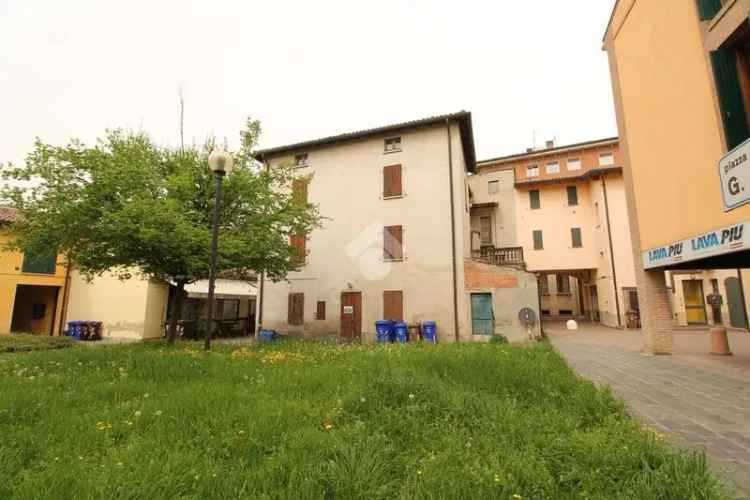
{"type": "Point", "coordinates": [227, 308]}
{"type": "Point", "coordinates": [39, 262]}
{"type": "Point", "coordinates": [534, 199]}
{"type": "Point", "coordinates": [485, 229]}
{"type": "Point", "coordinates": [632, 296]}
{"type": "Point", "coordinates": [575, 236]}
{"type": "Point", "coordinates": [392, 187]}
{"type": "Point", "coordinates": [532, 171]}
{"type": "Point", "coordinates": [553, 168]}
{"type": "Point", "coordinates": [296, 310]}
{"type": "Point", "coordinates": [731, 101]}
{"type": "Point", "coordinates": [298, 242]}
{"type": "Point", "coordinates": [493, 187]}
{"type": "Point", "coordinates": [707, 9]}
{"type": "Point", "coordinates": [543, 284]}
{"type": "Point", "coordinates": [574, 164]}
{"type": "Point", "coordinates": [393, 305]}
{"type": "Point", "coordinates": [538, 240]}
{"type": "Point", "coordinates": [300, 160]}
{"type": "Point", "coordinates": [606, 159]}
{"type": "Point", "coordinates": [393, 243]}
{"type": "Point", "coordinates": [320, 310]}
{"type": "Point", "coordinates": [572, 196]}
{"type": "Point", "coordinates": [393, 144]}
{"type": "Point", "coordinates": [563, 284]}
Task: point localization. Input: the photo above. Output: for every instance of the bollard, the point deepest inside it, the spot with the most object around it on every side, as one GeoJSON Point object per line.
{"type": "Point", "coordinates": [720, 342]}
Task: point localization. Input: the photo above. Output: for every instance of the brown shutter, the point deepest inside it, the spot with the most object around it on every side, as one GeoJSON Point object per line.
{"type": "Point", "coordinates": [392, 243]}
{"type": "Point", "coordinates": [320, 312]}
{"type": "Point", "coordinates": [299, 244]}
{"type": "Point", "coordinates": [392, 181]}
{"type": "Point", "coordinates": [296, 309]}
{"type": "Point", "coordinates": [393, 305]}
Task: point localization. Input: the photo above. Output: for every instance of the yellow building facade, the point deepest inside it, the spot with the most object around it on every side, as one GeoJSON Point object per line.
{"type": "Point", "coordinates": [33, 289]}
{"type": "Point", "coordinates": [682, 95]}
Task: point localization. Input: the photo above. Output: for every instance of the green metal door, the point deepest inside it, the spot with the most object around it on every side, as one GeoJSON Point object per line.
{"type": "Point", "coordinates": [482, 317]}
{"type": "Point", "coordinates": [734, 301]}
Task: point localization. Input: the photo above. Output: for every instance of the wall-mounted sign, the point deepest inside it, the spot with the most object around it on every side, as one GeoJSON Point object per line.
{"type": "Point", "coordinates": [726, 240]}
{"type": "Point", "coordinates": [348, 309]}
{"type": "Point", "coordinates": [734, 172]}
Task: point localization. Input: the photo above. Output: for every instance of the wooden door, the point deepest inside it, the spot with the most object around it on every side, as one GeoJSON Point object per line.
{"type": "Point", "coordinates": [393, 305]}
{"type": "Point", "coordinates": [734, 302]}
{"type": "Point", "coordinates": [351, 316]}
{"type": "Point", "coordinates": [482, 316]}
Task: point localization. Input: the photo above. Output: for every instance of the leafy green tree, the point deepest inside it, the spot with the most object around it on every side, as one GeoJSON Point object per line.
{"type": "Point", "coordinates": [127, 204]}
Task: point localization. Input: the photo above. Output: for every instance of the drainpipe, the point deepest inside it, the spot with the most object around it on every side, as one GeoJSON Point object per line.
{"type": "Point", "coordinates": [611, 252]}
{"type": "Point", "coordinates": [66, 298]}
{"type": "Point", "coordinates": [453, 230]}
{"type": "Point", "coordinates": [259, 322]}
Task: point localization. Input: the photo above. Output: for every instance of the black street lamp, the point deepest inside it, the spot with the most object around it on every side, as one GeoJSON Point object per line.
{"type": "Point", "coordinates": [220, 163]}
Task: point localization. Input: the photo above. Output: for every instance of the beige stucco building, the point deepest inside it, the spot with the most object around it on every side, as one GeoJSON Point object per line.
{"type": "Point", "coordinates": [565, 208]}
{"type": "Point", "coordinates": [681, 83]}
{"type": "Point", "coordinates": [396, 241]}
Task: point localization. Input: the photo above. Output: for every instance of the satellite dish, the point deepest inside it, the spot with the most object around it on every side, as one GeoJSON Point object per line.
{"type": "Point", "coordinates": [527, 317]}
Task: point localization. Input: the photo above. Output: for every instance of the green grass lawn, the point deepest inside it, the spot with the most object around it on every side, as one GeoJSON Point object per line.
{"type": "Point", "coordinates": [22, 342]}
{"type": "Point", "coordinates": [308, 420]}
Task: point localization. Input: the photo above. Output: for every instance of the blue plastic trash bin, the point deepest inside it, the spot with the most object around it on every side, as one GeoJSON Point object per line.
{"type": "Point", "coordinates": [384, 330]}
{"type": "Point", "coordinates": [402, 332]}
{"type": "Point", "coordinates": [429, 331]}
{"type": "Point", "coordinates": [74, 329]}
{"type": "Point", "coordinates": [268, 335]}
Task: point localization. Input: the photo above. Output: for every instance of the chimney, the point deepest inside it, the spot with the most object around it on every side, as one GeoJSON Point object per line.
{"type": "Point", "coordinates": [529, 150]}
{"type": "Point", "coordinates": [551, 144]}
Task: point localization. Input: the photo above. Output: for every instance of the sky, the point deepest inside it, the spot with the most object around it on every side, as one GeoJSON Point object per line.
{"type": "Point", "coordinates": [528, 71]}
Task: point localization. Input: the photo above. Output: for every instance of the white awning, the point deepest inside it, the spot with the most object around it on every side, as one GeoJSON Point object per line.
{"type": "Point", "coordinates": [224, 289]}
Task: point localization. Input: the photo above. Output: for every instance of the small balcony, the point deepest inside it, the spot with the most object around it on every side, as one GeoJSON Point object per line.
{"type": "Point", "coordinates": [499, 256]}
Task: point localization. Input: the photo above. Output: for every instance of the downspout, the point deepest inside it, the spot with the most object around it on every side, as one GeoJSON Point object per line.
{"type": "Point", "coordinates": [261, 294]}
{"type": "Point", "coordinates": [611, 252]}
{"type": "Point", "coordinates": [66, 298]}
{"type": "Point", "coordinates": [453, 230]}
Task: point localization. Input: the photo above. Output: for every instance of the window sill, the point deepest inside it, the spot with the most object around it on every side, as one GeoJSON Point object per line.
{"type": "Point", "coordinates": [395, 197]}
{"type": "Point", "coordinates": [394, 260]}
{"type": "Point", "coordinates": [392, 151]}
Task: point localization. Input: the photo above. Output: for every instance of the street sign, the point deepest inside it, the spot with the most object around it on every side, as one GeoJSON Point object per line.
{"type": "Point", "coordinates": [734, 172]}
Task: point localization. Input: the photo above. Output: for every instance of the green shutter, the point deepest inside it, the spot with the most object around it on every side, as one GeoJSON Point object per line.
{"type": "Point", "coordinates": [538, 240]}
{"type": "Point", "coordinates": [39, 263]}
{"type": "Point", "coordinates": [534, 200]}
{"type": "Point", "coordinates": [707, 9]}
{"type": "Point", "coordinates": [572, 196]}
{"type": "Point", "coordinates": [730, 97]}
{"type": "Point", "coordinates": [575, 234]}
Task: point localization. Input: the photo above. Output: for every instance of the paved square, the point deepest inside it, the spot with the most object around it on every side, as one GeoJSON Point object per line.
{"type": "Point", "coordinates": [696, 400]}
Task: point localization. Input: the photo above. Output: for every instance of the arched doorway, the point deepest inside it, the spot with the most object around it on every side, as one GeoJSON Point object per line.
{"type": "Point", "coordinates": [734, 301]}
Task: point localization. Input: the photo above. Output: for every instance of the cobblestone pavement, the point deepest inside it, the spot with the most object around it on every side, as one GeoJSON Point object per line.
{"type": "Point", "coordinates": [691, 403]}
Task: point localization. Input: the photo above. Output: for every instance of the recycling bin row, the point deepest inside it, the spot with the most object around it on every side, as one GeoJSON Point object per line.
{"type": "Point", "coordinates": [397, 331]}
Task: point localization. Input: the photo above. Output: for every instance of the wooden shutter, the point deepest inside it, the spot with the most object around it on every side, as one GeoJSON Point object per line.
{"type": "Point", "coordinates": [296, 309]}
{"type": "Point", "coordinates": [575, 235]}
{"type": "Point", "coordinates": [538, 240]}
{"type": "Point", "coordinates": [393, 243]}
{"type": "Point", "coordinates": [298, 242]}
{"type": "Point", "coordinates": [534, 200]}
{"type": "Point", "coordinates": [320, 310]}
{"type": "Point", "coordinates": [393, 305]}
{"type": "Point", "coordinates": [733, 114]}
{"type": "Point", "coordinates": [299, 191]}
{"type": "Point", "coordinates": [392, 181]}
{"type": "Point", "coordinates": [39, 262]}
{"type": "Point", "coordinates": [572, 195]}
{"type": "Point", "coordinates": [707, 9]}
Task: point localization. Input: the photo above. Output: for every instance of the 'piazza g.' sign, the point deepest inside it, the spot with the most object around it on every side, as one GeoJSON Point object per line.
{"type": "Point", "coordinates": [721, 241]}
{"type": "Point", "coordinates": [734, 174]}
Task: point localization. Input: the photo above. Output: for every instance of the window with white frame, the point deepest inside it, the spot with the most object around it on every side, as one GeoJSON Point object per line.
{"type": "Point", "coordinates": [532, 171]}
{"type": "Point", "coordinates": [606, 159]}
{"type": "Point", "coordinates": [553, 168]}
{"type": "Point", "coordinates": [392, 144]}
{"type": "Point", "coordinates": [493, 187]}
{"type": "Point", "coordinates": [574, 164]}
{"type": "Point", "coordinates": [300, 160]}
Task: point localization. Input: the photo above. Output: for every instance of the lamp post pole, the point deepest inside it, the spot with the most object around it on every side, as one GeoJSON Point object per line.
{"type": "Point", "coordinates": [221, 164]}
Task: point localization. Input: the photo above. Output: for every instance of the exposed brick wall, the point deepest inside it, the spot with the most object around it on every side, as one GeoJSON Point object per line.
{"type": "Point", "coordinates": [480, 275]}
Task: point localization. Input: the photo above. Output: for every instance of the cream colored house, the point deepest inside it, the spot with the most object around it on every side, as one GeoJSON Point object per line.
{"type": "Point", "coordinates": [565, 208]}
{"type": "Point", "coordinates": [396, 244]}
{"type": "Point", "coordinates": [681, 84]}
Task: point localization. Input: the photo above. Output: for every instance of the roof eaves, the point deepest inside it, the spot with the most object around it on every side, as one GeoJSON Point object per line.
{"type": "Point", "coordinates": [544, 152]}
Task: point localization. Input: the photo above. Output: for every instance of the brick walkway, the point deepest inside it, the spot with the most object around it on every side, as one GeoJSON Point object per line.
{"type": "Point", "coordinates": [698, 401]}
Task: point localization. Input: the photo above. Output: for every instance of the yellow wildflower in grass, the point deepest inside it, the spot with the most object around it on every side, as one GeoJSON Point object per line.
{"type": "Point", "coordinates": [103, 426]}
{"type": "Point", "coordinates": [517, 497]}
{"type": "Point", "coordinates": [328, 427]}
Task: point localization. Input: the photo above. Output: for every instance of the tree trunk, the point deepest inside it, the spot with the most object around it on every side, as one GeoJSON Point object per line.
{"type": "Point", "coordinates": [176, 310]}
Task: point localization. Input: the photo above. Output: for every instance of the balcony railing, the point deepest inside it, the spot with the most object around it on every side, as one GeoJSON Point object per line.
{"type": "Point", "coordinates": [499, 256]}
